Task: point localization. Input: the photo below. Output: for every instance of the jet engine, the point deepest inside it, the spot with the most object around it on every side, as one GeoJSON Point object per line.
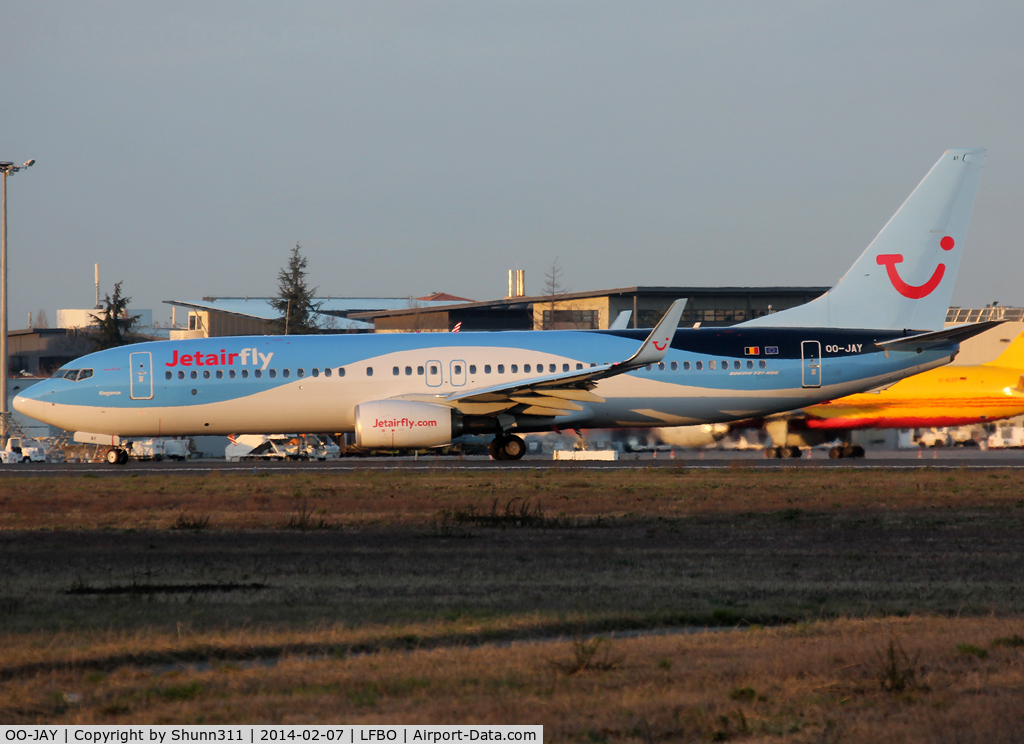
{"type": "Point", "coordinates": [698, 435]}
{"type": "Point", "coordinates": [392, 424]}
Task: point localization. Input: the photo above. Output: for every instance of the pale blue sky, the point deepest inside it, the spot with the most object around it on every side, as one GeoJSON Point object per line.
{"type": "Point", "coordinates": [414, 147]}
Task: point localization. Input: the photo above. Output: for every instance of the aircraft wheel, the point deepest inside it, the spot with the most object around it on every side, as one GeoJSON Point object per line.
{"type": "Point", "coordinates": [513, 448]}
{"type": "Point", "coordinates": [495, 449]}
{"type": "Point", "coordinates": [858, 451]}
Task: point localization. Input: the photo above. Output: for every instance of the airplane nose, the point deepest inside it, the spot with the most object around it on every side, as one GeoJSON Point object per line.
{"type": "Point", "coordinates": [27, 402]}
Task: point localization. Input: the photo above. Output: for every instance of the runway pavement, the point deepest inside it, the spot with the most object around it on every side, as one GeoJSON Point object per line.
{"type": "Point", "coordinates": [710, 459]}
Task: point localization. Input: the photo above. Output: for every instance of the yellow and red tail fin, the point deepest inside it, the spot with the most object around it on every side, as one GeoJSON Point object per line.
{"type": "Point", "coordinates": [1012, 356]}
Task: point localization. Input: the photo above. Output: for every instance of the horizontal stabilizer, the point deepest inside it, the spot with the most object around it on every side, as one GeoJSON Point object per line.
{"type": "Point", "coordinates": [922, 341]}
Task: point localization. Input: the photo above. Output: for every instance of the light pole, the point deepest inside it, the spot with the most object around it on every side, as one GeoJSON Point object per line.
{"type": "Point", "coordinates": [5, 415]}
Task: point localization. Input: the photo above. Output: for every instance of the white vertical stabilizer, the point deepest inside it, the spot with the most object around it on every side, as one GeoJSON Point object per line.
{"type": "Point", "coordinates": [904, 279]}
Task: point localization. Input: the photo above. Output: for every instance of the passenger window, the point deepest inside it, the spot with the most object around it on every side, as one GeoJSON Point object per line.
{"type": "Point", "coordinates": [395, 371]}
{"type": "Point", "coordinates": [408, 371]}
{"type": "Point", "coordinates": [231, 373]}
{"type": "Point", "coordinates": [369, 371]}
{"type": "Point", "coordinates": [487, 369]}
{"type": "Point", "coordinates": [458, 369]}
{"type": "Point", "coordinates": [711, 364]}
{"type": "Point", "coordinates": [194, 375]}
{"type": "Point", "coordinates": [245, 374]}
{"type": "Point", "coordinates": [316, 372]}
{"type": "Point", "coordinates": [565, 367]}
{"type": "Point", "coordinates": [674, 366]}
{"type": "Point", "coordinates": [551, 368]}
{"type": "Point", "coordinates": [472, 369]}
{"type": "Point", "coordinates": [300, 372]}
{"type": "Point", "coordinates": [750, 364]}
{"type": "Point", "coordinates": [515, 368]}
{"type": "Point", "coordinates": [526, 368]}
{"type": "Point", "coordinates": [579, 366]}
{"type": "Point", "coordinates": [686, 366]}
{"type": "Point", "coordinates": [168, 375]}
{"type": "Point", "coordinates": [661, 366]}
{"type": "Point", "coordinates": [285, 372]}
{"type": "Point", "coordinates": [327, 371]}
{"type": "Point", "coordinates": [762, 364]}
{"type": "Point", "coordinates": [698, 365]}
{"type": "Point", "coordinates": [257, 373]}
{"type": "Point", "coordinates": [433, 369]}
{"type": "Point", "coordinates": [501, 369]}
{"type": "Point", "coordinates": [341, 371]}
{"type": "Point", "coordinates": [273, 372]}
{"type": "Point", "coordinates": [725, 364]}
{"type": "Point", "coordinates": [220, 374]}
{"type": "Point", "coordinates": [85, 374]}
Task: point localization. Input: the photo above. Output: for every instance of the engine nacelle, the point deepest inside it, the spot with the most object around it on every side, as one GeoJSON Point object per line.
{"type": "Point", "coordinates": [392, 424]}
{"type": "Point", "coordinates": [697, 435]}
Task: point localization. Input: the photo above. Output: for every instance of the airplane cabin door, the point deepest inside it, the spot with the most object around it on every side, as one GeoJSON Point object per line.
{"type": "Point", "coordinates": [435, 375]}
{"type": "Point", "coordinates": [810, 354]}
{"type": "Point", "coordinates": [141, 386]}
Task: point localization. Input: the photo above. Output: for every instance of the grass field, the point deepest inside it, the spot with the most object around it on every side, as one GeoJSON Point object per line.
{"type": "Point", "coordinates": [433, 597]}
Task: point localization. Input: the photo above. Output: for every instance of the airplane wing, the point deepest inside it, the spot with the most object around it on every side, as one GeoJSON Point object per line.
{"type": "Point", "coordinates": [923, 341]}
{"type": "Point", "coordinates": [560, 394]}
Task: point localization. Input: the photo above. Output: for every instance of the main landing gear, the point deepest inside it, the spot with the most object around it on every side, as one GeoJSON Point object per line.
{"type": "Point", "coordinates": [846, 450]}
{"type": "Point", "coordinates": [782, 452]}
{"type": "Point", "coordinates": [116, 456]}
{"type": "Point", "coordinates": [507, 448]}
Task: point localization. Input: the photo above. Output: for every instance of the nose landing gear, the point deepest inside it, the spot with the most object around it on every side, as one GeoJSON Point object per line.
{"type": "Point", "coordinates": [116, 456]}
{"type": "Point", "coordinates": [507, 448]}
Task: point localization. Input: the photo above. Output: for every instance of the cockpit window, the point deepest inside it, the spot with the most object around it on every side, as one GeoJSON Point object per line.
{"type": "Point", "coordinates": [73, 374]}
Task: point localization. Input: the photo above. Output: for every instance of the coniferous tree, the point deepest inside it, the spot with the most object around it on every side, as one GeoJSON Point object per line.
{"type": "Point", "coordinates": [113, 325]}
{"type": "Point", "coordinates": [295, 298]}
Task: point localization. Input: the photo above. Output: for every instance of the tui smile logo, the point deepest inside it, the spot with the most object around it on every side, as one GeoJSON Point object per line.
{"type": "Point", "coordinates": [889, 261]}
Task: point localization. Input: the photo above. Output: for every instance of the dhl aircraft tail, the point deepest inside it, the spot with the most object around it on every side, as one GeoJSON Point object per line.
{"type": "Point", "coordinates": [1012, 356]}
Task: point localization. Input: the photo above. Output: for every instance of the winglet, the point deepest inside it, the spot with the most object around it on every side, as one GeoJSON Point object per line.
{"type": "Point", "coordinates": [621, 322]}
{"type": "Point", "coordinates": [658, 343]}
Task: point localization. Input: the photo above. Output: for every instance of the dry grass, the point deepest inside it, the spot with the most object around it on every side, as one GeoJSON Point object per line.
{"type": "Point", "coordinates": [234, 499]}
{"type": "Point", "coordinates": [416, 598]}
{"type": "Point", "coordinates": [808, 683]}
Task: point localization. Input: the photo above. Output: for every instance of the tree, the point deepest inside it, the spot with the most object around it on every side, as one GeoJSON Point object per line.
{"type": "Point", "coordinates": [553, 290]}
{"type": "Point", "coordinates": [295, 298]}
{"type": "Point", "coordinates": [42, 320]}
{"type": "Point", "coordinates": [113, 323]}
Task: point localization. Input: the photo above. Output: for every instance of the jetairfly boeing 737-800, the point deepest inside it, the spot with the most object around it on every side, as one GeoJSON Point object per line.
{"type": "Point", "coordinates": [876, 326]}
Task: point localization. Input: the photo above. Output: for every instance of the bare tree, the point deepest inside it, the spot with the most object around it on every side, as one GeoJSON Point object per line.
{"type": "Point", "coordinates": [553, 289]}
{"type": "Point", "coordinates": [42, 321]}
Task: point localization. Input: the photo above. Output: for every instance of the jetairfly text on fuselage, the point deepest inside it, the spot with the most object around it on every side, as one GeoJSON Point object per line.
{"type": "Point", "coordinates": [224, 359]}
